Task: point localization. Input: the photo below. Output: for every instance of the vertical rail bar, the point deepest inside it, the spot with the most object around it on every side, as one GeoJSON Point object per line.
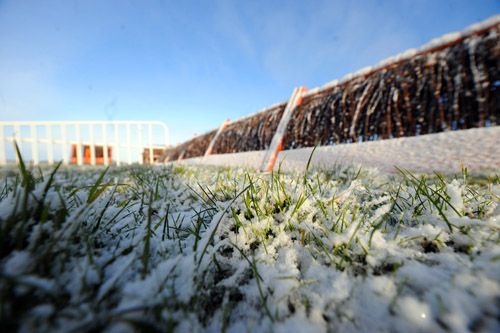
{"type": "Point", "coordinates": [150, 143]}
{"type": "Point", "coordinates": [3, 159]}
{"type": "Point", "coordinates": [105, 144]}
{"type": "Point", "coordinates": [92, 144]}
{"type": "Point", "coordinates": [64, 144]}
{"type": "Point", "coordinates": [79, 159]}
{"type": "Point", "coordinates": [34, 145]}
{"type": "Point", "coordinates": [117, 144]}
{"type": "Point", "coordinates": [129, 145]}
{"type": "Point", "coordinates": [17, 137]}
{"type": "Point", "coordinates": [50, 147]}
{"type": "Point", "coordinates": [139, 143]}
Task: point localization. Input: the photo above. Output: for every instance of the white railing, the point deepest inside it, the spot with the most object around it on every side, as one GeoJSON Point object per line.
{"type": "Point", "coordinates": [56, 139]}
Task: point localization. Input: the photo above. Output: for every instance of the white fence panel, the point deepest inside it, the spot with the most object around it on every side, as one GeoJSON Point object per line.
{"type": "Point", "coordinates": [80, 142]}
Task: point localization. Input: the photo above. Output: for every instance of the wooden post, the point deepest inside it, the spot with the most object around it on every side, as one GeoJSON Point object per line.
{"type": "Point", "coordinates": [219, 131]}
{"type": "Point", "coordinates": [277, 142]}
{"type": "Point", "coordinates": [181, 156]}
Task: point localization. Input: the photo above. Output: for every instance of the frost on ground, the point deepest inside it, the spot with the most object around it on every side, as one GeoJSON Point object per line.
{"type": "Point", "coordinates": [444, 152]}
{"type": "Point", "coordinates": [229, 250]}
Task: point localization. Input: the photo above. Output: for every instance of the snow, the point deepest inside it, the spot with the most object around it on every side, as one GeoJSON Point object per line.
{"type": "Point", "coordinates": [19, 262]}
{"type": "Point", "coordinates": [281, 269]}
{"type": "Point", "coordinates": [415, 311]}
{"type": "Point", "coordinates": [446, 152]}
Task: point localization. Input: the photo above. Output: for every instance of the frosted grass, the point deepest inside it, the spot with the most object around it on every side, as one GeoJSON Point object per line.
{"type": "Point", "coordinates": [176, 248]}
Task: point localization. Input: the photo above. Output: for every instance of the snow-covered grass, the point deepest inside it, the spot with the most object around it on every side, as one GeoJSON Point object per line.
{"type": "Point", "coordinates": [184, 248]}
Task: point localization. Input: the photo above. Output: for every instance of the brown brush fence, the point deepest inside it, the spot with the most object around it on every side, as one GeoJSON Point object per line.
{"type": "Point", "coordinates": [453, 86]}
{"type": "Point", "coordinates": [252, 133]}
{"type": "Point", "coordinates": [192, 148]}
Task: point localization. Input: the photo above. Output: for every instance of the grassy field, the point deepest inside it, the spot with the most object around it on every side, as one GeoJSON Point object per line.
{"type": "Point", "coordinates": [184, 249]}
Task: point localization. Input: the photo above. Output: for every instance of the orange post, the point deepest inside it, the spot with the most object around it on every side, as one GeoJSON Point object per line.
{"type": "Point", "coordinates": [277, 143]}
{"type": "Point", "coordinates": [214, 139]}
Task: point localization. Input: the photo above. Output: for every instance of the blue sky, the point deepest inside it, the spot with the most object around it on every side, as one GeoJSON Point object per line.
{"type": "Point", "coordinates": [193, 64]}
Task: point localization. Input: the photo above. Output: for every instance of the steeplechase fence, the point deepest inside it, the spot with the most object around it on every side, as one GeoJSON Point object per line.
{"type": "Point", "coordinates": [452, 83]}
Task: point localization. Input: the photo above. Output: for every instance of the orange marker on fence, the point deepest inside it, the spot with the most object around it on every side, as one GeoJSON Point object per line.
{"type": "Point", "coordinates": [277, 143]}
{"type": "Point", "coordinates": [181, 156]}
{"type": "Point", "coordinates": [216, 136]}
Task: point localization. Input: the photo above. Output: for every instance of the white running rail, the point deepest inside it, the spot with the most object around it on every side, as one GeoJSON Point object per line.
{"type": "Point", "coordinates": [53, 140]}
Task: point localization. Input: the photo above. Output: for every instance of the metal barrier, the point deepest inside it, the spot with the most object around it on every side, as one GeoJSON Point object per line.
{"type": "Point", "coordinates": [55, 138]}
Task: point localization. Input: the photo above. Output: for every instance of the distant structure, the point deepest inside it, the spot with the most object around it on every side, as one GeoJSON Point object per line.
{"type": "Point", "coordinates": [157, 151]}
{"type": "Point", "coordinates": [87, 156]}
{"type": "Point", "coordinates": [84, 142]}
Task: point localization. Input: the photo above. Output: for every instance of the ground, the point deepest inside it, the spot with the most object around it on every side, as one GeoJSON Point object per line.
{"type": "Point", "coordinates": [187, 248]}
